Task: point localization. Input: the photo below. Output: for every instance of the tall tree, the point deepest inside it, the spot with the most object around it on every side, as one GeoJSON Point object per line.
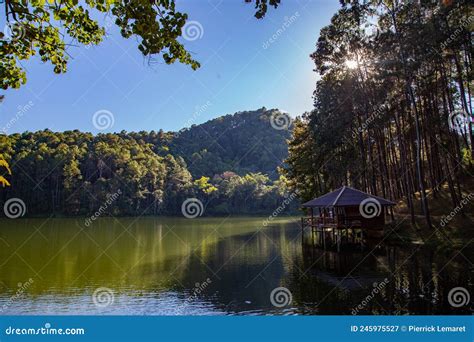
{"type": "Point", "coordinates": [391, 82]}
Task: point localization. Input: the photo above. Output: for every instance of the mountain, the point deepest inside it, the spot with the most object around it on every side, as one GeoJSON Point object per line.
{"type": "Point", "coordinates": [242, 142]}
{"type": "Point", "coordinates": [229, 164]}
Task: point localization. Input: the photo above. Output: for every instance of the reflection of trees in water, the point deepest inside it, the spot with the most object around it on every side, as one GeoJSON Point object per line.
{"type": "Point", "coordinates": [244, 269]}
{"type": "Point", "coordinates": [418, 281]}
{"type": "Point", "coordinates": [248, 264]}
{"type": "Point", "coordinates": [423, 279]}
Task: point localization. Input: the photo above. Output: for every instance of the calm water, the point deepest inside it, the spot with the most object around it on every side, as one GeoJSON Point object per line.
{"type": "Point", "coordinates": [169, 266]}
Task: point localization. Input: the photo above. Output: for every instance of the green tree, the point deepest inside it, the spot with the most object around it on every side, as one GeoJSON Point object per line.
{"type": "Point", "coordinates": [203, 185]}
{"type": "Point", "coordinates": [37, 27]}
{"type": "Point", "coordinates": [392, 76]}
{"type": "Point", "coordinates": [4, 165]}
{"type": "Point", "coordinates": [75, 173]}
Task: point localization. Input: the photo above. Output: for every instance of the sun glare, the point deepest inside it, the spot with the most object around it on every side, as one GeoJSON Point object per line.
{"type": "Point", "coordinates": [351, 64]}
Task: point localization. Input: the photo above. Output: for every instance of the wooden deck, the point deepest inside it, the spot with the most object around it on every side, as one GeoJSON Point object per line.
{"type": "Point", "coordinates": [335, 232]}
{"type": "Point", "coordinates": [326, 222]}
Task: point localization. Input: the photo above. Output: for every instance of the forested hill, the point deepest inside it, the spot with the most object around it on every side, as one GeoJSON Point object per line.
{"type": "Point", "coordinates": [242, 142]}
{"type": "Point", "coordinates": [225, 163]}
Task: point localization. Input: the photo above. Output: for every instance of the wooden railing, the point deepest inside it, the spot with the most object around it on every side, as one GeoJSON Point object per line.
{"type": "Point", "coordinates": [345, 221]}
{"type": "Point", "coordinates": [351, 221]}
{"type": "Point", "coordinates": [314, 221]}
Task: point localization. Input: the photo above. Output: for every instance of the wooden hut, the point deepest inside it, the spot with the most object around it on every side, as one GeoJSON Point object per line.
{"type": "Point", "coordinates": [346, 213]}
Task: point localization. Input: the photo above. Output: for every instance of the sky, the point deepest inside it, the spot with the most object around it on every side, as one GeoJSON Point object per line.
{"type": "Point", "coordinates": [246, 64]}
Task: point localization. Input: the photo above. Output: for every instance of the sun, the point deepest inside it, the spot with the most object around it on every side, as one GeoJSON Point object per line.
{"type": "Point", "coordinates": [351, 64]}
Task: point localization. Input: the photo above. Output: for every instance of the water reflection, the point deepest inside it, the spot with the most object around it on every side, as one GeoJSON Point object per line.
{"type": "Point", "coordinates": [156, 266]}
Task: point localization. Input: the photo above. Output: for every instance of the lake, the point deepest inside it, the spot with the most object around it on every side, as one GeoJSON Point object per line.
{"type": "Point", "coordinates": [214, 266]}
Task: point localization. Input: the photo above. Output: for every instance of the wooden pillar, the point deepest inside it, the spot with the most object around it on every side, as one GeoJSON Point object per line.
{"type": "Point", "coordinates": [324, 238]}
{"type": "Point", "coordinates": [338, 243]}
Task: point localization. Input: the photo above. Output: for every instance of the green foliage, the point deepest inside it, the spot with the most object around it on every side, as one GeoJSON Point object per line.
{"type": "Point", "coordinates": [76, 173]}
{"type": "Point", "coordinates": [244, 142]}
{"type": "Point", "coordinates": [300, 173]}
{"type": "Point", "coordinates": [4, 165]}
{"type": "Point", "coordinates": [42, 27]}
{"type": "Point", "coordinates": [392, 73]}
{"type": "Point", "coordinates": [203, 185]}
{"type": "Point", "coordinates": [253, 193]}
{"type": "Point", "coordinates": [262, 6]}
{"type": "Point", "coordinates": [467, 158]}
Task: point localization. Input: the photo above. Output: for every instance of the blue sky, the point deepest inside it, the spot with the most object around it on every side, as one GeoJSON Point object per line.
{"type": "Point", "coordinates": [241, 69]}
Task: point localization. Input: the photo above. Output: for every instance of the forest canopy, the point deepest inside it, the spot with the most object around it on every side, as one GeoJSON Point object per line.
{"type": "Point", "coordinates": [229, 164]}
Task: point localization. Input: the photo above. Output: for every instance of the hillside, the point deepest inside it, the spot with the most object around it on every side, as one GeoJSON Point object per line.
{"type": "Point", "coordinates": [242, 142]}
{"type": "Point", "coordinates": [229, 164]}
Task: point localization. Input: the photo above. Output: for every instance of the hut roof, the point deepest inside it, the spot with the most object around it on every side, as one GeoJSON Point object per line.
{"type": "Point", "coordinates": [344, 197]}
